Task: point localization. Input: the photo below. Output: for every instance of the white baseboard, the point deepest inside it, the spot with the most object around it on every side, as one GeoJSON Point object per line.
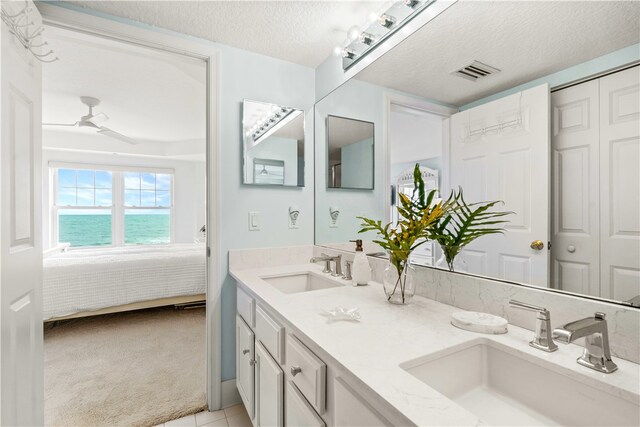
{"type": "Point", "coordinates": [230, 395]}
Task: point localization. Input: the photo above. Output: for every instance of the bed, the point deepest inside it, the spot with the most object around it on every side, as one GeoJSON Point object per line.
{"type": "Point", "coordinates": [96, 281]}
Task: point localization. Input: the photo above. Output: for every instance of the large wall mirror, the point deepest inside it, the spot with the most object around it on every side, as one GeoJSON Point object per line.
{"type": "Point", "coordinates": [273, 144]}
{"type": "Point", "coordinates": [548, 126]}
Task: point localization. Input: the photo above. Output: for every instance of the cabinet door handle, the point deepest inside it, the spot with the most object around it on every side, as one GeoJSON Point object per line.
{"type": "Point", "coordinates": [295, 370]}
{"type": "Point", "coordinates": [245, 351]}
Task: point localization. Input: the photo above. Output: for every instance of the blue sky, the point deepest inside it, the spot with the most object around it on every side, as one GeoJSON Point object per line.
{"type": "Point", "coordinates": [94, 188]}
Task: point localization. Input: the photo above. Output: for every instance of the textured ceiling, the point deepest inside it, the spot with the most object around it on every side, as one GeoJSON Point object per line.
{"type": "Point", "coordinates": [148, 95]}
{"type": "Point", "coordinates": [524, 39]}
{"type": "Point", "coordinates": [303, 32]}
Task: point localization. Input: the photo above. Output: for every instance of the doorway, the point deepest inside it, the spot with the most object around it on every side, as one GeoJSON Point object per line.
{"type": "Point", "coordinates": [124, 231]}
{"type": "Point", "coordinates": [22, 306]}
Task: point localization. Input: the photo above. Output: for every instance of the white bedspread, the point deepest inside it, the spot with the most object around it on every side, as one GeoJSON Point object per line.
{"type": "Point", "coordinates": [92, 279]}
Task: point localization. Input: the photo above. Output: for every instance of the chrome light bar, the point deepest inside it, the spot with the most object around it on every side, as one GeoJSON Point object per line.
{"type": "Point", "coordinates": [379, 29]}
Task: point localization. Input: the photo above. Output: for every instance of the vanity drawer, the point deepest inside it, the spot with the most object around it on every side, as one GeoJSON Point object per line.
{"type": "Point", "coordinates": [307, 372]}
{"type": "Point", "coordinates": [270, 334]}
{"type": "Point", "coordinates": [246, 307]}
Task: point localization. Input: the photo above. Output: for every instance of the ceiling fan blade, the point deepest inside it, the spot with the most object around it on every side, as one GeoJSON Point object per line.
{"type": "Point", "coordinates": [60, 124]}
{"type": "Point", "coordinates": [98, 118]}
{"type": "Point", "coordinates": [113, 134]}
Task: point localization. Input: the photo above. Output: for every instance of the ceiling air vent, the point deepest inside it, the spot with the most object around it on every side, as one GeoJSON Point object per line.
{"type": "Point", "coordinates": [475, 70]}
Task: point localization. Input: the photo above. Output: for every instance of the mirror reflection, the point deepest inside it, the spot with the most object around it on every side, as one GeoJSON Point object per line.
{"type": "Point", "coordinates": [552, 137]}
{"type": "Point", "coordinates": [273, 138]}
{"type": "Point", "coordinates": [350, 153]}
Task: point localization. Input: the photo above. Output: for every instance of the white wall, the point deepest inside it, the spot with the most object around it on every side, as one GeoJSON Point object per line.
{"type": "Point", "coordinates": [414, 136]}
{"type": "Point", "coordinates": [189, 187]}
{"type": "Point", "coordinates": [245, 75]}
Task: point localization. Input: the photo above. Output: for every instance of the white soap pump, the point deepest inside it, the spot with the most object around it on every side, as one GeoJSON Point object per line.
{"type": "Point", "coordinates": [361, 269]}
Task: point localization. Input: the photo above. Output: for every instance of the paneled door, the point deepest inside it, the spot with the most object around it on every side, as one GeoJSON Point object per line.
{"type": "Point", "coordinates": [500, 151]}
{"type": "Point", "coordinates": [21, 349]}
{"type": "Point", "coordinates": [575, 192]}
{"type": "Point", "coordinates": [620, 184]}
{"type": "Point", "coordinates": [245, 361]}
{"type": "Point", "coordinates": [269, 390]}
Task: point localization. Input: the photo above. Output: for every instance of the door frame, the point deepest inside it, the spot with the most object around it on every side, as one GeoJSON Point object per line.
{"type": "Point", "coordinates": [393, 98]}
{"type": "Point", "coordinates": [147, 36]}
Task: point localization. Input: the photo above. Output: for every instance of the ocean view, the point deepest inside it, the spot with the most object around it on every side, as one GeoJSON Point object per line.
{"type": "Point", "coordinates": [95, 230]}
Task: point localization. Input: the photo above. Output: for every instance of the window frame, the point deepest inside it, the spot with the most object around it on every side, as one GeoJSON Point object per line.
{"type": "Point", "coordinates": [117, 208]}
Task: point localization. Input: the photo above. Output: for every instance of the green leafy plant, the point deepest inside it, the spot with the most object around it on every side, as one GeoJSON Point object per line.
{"type": "Point", "coordinates": [464, 223]}
{"type": "Point", "coordinates": [418, 215]}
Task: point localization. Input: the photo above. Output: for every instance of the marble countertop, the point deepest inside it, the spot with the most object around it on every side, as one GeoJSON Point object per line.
{"type": "Point", "coordinates": [389, 335]}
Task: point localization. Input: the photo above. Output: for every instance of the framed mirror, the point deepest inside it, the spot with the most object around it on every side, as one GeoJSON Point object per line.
{"type": "Point", "coordinates": [273, 144]}
{"type": "Point", "coordinates": [350, 148]}
{"type": "Point", "coordinates": [555, 140]}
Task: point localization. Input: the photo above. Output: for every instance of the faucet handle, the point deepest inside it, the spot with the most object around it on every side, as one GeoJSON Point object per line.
{"type": "Point", "coordinates": [347, 270]}
{"type": "Point", "coordinates": [542, 339]}
{"type": "Point", "coordinates": [530, 307]}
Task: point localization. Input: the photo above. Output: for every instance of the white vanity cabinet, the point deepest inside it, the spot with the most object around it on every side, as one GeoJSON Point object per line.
{"type": "Point", "coordinates": [269, 399]}
{"type": "Point", "coordinates": [285, 381]}
{"type": "Point", "coordinates": [351, 409]}
{"type": "Point", "coordinates": [245, 361]}
{"type": "Point", "coordinates": [299, 412]}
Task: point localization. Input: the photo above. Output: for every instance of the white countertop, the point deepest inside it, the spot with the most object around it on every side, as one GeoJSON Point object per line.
{"type": "Point", "coordinates": [389, 335]}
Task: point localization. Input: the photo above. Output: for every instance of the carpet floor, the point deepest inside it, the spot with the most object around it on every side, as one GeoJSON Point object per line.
{"type": "Point", "coordinates": [139, 368]}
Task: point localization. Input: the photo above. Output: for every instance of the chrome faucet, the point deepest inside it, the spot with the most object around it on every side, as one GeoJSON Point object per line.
{"type": "Point", "coordinates": [597, 354]}
{"type": "Point", "coordinates": [327, 263]}
{"type": "Point", "coordinates": [542, 339]}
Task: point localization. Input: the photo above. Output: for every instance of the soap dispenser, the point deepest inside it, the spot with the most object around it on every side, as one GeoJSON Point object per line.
{"type": "Point", "coordinates": [361, 269]}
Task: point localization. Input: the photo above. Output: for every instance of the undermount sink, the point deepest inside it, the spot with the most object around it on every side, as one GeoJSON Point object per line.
{"type": "Point", "coordinates": [503, 387]}
{"type": "Point", "coordinates": [300, 282]}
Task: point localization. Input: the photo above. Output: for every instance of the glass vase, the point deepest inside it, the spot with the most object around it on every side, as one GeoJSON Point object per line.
{"type": "Point", "coordinates": [399, 286]}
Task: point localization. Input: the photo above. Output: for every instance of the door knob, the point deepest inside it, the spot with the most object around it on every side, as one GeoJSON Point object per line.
{"type": "Point", "coordinates": [295, 370]}
{"type": "Point", "coordinates": [571, 248]}
{"type": "Point", "coordinates": [537, 245]}
{"type": "Point", "coordinates": [245, 351]}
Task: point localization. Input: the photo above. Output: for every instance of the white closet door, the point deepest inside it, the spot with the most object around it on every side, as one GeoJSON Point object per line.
{"type": "Point", "coordinates": [575, 218]}
{"type": "Point", "coordinates": [511, 165]}
{"type": "Point", "coordinates": [620, 184]}
{"type": "Point", "coordinates": [21, 350]}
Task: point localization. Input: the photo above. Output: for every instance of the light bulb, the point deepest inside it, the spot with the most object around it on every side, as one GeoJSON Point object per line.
{"type": "Point", "coordinates": [353, 33]}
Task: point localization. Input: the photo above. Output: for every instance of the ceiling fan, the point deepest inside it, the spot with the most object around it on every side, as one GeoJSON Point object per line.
{"type": "Point", "coordinates": [94, 120]}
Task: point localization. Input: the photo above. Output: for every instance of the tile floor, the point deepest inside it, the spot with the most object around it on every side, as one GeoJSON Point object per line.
{"type": "Point", "coordinates": [234, 416]}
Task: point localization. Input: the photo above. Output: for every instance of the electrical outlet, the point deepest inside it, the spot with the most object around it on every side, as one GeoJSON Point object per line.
{"type": "Point", "coordinates": [254, 221]}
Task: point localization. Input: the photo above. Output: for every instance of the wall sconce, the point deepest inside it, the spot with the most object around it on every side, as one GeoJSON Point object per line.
{"type": "Point", "coordinates": [334, 213]}
{"type": "Point", "coordinates": [294, 213]}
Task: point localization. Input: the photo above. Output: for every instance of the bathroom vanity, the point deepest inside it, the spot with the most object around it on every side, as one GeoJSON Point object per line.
{"type": "Point", "coordinates": [402, 365]}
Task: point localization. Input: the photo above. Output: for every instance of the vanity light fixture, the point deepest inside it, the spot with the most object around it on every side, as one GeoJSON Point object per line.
{"type": "Point", "coordinates": [366, 38]}
{"type": "Point", "coordinates": [363, 39]}
{"type": "Point", "coordinates": [269, 122]}
{"type": "Point", "coordinates": [348, 53]}
{"type": "Point", "coordinates": [387, 21]}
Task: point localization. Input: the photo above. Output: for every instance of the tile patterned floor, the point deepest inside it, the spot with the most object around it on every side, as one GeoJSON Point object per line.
{"type": "Point", "coordinates": [234, 416]}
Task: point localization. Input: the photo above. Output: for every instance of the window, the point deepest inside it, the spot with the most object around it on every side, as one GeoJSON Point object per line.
{"type": "Point", "coordinates": [82, 196]}
{"type": "Point", "coordinates": [101, 207]}
{"type": "Point", "coordinates": [147, 197]}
